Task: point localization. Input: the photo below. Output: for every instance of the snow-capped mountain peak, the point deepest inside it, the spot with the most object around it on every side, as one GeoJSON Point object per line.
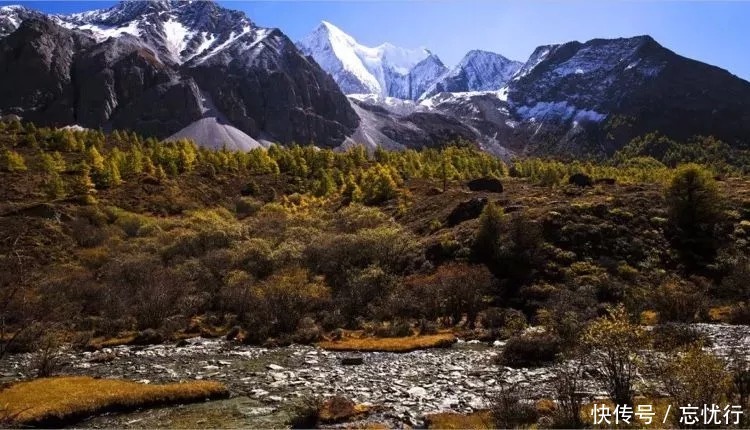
{"type": "Point", "coordinates": [178, 31]}
{"type": "Point", "coordinates": [360, 69]}
{"type": "Point", "coordinates": [11, 17]}
{"type": "Point", "coordinates": [477, 71]}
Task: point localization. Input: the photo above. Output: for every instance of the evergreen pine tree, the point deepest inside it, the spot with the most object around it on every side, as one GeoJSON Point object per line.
{"type": "Point", "coordinates": [54, 187]}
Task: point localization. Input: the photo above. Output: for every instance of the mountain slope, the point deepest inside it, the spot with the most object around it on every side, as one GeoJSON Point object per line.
{"type": "Point", "coordinates": [477, 71]}
{"type": "Point", "coordinates": [625, 88]}
{"type": "Point", "coordinates": [12, 16]}
{"type": "Point", "coordinates": [148, 65]}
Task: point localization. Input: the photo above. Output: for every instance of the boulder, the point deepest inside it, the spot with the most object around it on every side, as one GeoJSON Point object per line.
{"type": "Point", "coordinates": [148, 337]}
{"type": "Point", "coordinates": [489, 184]}
{"type": "Point", "coordinates": [352, 360]}
{"type": "Point", "coordinates": [605, 181]}
{"type": "Point", "coordinates": [581, 180]}
{"type": "Point", "coordinates": [467, 210]}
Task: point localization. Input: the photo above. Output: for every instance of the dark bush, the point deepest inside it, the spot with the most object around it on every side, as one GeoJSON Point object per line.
{"type": "Point", "coordinates": [580, 180]}
{"type": "Point", "coordinates": [672, 336]}
{"type": "Point", "coordinates": [530, 350]}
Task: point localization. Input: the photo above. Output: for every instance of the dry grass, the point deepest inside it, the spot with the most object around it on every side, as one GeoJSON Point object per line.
{"type": "Point", "coordinates": [720, 314]}
{"type": "Point", "coordinates": [390, 344]}
{"type": "Point", "coordinates": [56, 401]}
{"type": "Point", "coordinates": [649, 317]}
{"type": "Point", "coordinates": [339, 409]}
{"type": "Point", "coordinates": [110, 342]}
{"type": "Point", "coordinates": [452, 420]}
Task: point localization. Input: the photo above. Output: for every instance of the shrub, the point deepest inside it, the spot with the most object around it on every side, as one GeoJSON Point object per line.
{"type": "Point", "coordinates": [740, 313]}
{"type": "Point", "coordinates": [679, 301]}
{"type": "Point", "coordinates": [46, 359]}
{"type": "Point", "coordinates": [256, 257]}
{"type": "Point", "coordinates": [615, 344]}
{"type": "Point", "coordinates": [672, 336]}
{"type": "Point", "coordinates": [453, 290]}
{"type": "Point", "coordinates": [492, 318]}
{"type": "Point", "coordinates": [567, 312]}
{"type": "Point", "coordinates": [130, 223]}
{"type": "Point", "coordinates": [486, 245]}
{"type": "Point", "coordinates": [736, 285]}
{"type": "Point", "coordinates": [391, 248]}
{"type": "Point", "coordinates": [245, 207]}
{"type": "Point", "coordinates": [509, 409]}
{"type": "Point", "coordinates": [363, 292]}
{"type": "Point", "coordinates": [11, 161]}
{"type": "Point", "coordinates": [569, 385]}
{"type": "Point", "coordinates": [530, 350]}
{"type": "Point", "coordinates": [356, 217]}
{"type": "Point", "coordinates": [693, 377]}
{"type": "Point", "coordinates": [54, 187]}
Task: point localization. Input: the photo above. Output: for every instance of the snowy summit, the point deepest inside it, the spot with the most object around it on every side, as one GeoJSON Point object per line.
{"type": "Point", "coordinates": [359, 69]}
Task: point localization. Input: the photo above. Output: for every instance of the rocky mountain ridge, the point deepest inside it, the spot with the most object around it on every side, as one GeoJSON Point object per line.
{"type": "Point", "coordinates": [153, 66]}
{"type": "Point", "coordinates": [149, 66]}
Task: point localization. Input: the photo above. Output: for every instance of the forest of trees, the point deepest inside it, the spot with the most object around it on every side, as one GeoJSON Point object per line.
{"type": "Point", "coordinates": [111, 234]}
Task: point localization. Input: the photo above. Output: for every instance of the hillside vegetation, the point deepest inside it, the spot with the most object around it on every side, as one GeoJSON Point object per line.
{"type": "Point", "coordinates": [116, 236]}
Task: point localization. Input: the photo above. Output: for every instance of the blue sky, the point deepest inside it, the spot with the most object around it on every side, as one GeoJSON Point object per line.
{"type": "Point", "coordinates": [716, 32]}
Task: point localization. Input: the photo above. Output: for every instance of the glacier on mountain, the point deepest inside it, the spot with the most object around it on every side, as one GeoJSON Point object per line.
{"type": "Point", "coordinates": [358, 68]}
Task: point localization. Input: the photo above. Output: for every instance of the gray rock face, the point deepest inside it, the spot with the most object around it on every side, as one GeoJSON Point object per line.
{"type": "Point", "coordinates": [145, 65]}
{"type": "Point", "coordinates": [12, 16]}
{"type": "Point", "coordinates": [477, 71]}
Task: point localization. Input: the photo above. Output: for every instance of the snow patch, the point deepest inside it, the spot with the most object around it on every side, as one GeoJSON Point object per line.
{"type": "Point", "coordinates": [558, 110]}
{"type": "Point", "coordinates": [176, 37]}
{"type": "Point", "coordinates": [102, 32]}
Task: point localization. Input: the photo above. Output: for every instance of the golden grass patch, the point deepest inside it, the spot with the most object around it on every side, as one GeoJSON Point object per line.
{"type": "Point", "coordinates": [720, 313]}
{"type": "Point", "coordinates": [110, 342]}
{"type": "Point", "coordinates": [453, 420]}
{"type": "Point", "coordinates": [649, 317]}
{"type": "Point", "coordinates": [56, 401]}
{"type": "Point", "coordinates": [390, 344]}
{"type": "Point", "coordinates": [339, 409]}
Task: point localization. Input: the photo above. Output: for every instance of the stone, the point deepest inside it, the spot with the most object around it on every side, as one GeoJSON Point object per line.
{"type": "Point", "coordinates": [274, 367]}
{"type": "Point", "coordinates": [580, 180]}
{"type": "Point", "coordinates": [148, 337]}
{"type": "Point", "coordinates": [352, 360]}
{"type": "Point", "coordinates": [492, 185]}
{"type": "Point", "coordinates": [418, 392]}
{"type": "Point", "coordinates": [466, 210]}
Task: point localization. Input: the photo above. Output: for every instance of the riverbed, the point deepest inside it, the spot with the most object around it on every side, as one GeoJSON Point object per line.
{"type": "Point", "coordinates": [268, 384]}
